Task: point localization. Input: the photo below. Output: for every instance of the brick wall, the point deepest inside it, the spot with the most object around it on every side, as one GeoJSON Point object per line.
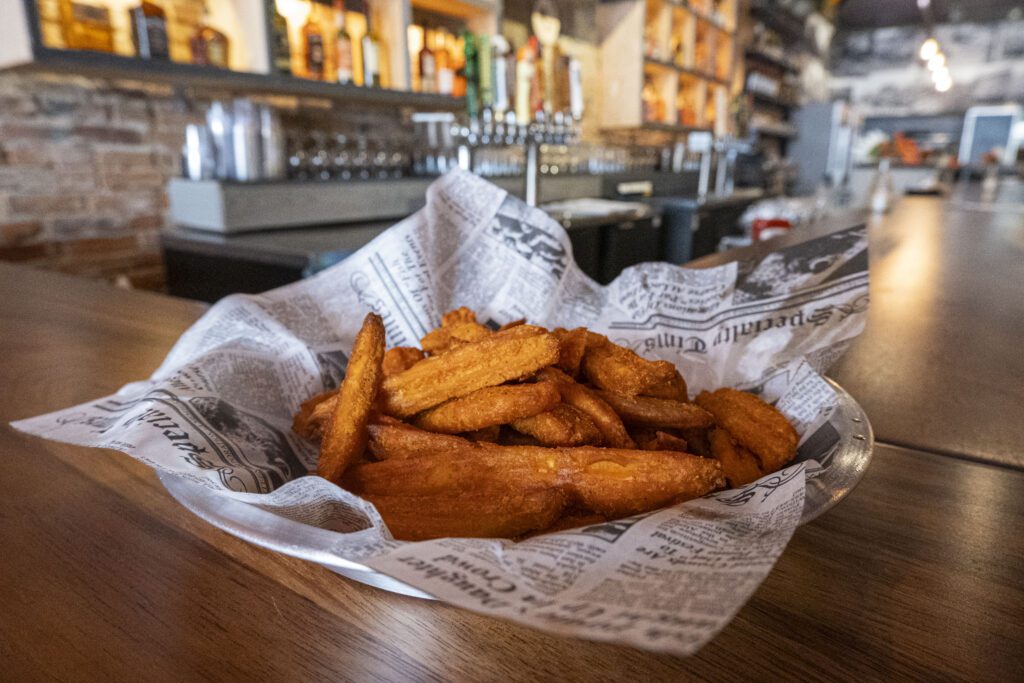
{"type": "Point", "coordinates": [83, 167]}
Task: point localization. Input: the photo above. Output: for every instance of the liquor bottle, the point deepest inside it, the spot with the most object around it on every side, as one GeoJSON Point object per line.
{"type": "Point", "coordinates": [280, 47]}
{"type": "Point", "coordinates": [86, 27]}
{"type": "Point", "coordinates": [457, 49]}
{"type": "Point", "coordinates": [485, 71]}
{"type": "Point", "coordinates": [650, 98]}
{"type": "Point", "coordinates": [314, 56]}
{"type": "Point", "coordinates": [501, 76]}
{"type": "Point", "coordinates": [537, 86]}
{"type": "Point", "coordinates": [445, 69]}
{"type": "Point", "coordinates": [547, 27]}
{"type": "Point", "coordinates": [470, 74]}
{"type": "Point", "coordinates": [575, 89]}
{"type": "Point", "coordinates": [525, 69]}
{"type": "Point", "coordinates": [345, 58]}
{"type": "Point", "coordinates": [209, 46]}
{"type": "Point", "coordinates": [371, 48]}
{"type": "Point", "coordinates": [149, 30]}
{"type": "Point", "coordinates": [427, 64]}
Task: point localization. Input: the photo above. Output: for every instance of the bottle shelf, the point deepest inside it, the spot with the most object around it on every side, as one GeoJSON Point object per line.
{"type": "Point", "coordinates": [104, 65]}
{"type": "Point", "coordinates": [778, 61]}
{"type": "Point", "coordinates": [682, 70]}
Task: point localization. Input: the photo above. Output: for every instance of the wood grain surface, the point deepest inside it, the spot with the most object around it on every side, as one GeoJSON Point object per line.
{"type": "Point", "coordinates": [940, 365]}
{"type": "Point", "coordinates": [103, 576]}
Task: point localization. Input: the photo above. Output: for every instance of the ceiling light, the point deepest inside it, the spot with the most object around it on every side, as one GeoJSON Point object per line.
{"type": "Point", "coordinates": [944, 85]}
{"type": "Point", "coordinates": [929, 49]}
{"type": "Point", "coordinates": [937, 61]}
{"type": "Point", "coordinates": [940, 74]}
{"type": "Point", "coordinates": [923, 4]}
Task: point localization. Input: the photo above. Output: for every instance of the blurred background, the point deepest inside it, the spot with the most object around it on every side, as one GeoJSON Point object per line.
{"type": "Point", "coordinates": [202, 148]}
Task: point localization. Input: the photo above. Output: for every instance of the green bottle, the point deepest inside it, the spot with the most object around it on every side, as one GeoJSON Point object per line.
{"type": "Point", "coordinates": [471, 71]}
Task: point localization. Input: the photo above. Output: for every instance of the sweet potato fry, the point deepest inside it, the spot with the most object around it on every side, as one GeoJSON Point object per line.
{"type": "Point", "coordinates": [608, 481]}
{"type": "Point", "coordinates": [458, 315]}
{"type": "Point", "coordinates": [471, 515]}
{"type": "Point", "coordinates": [405, 441]}
{"type": "Point", "coordinates": [346, 434]}
{"type": "Point", "coordinates": [631, 483]}
{"type": "Point", "coordinates": [400, 359]}
{"type": "Point", "coordinates": [663, 441]}
{"type": "Point", "coordinates": [615, 368]}
{"type": "Point", "coordinates": [447, 337]}
{"type": "Point", "coordinates": [755, 425]}
{"type": "Point", "coordinates": [739, 465]}
{"type": "Point", "coordinates": [657, 412]}
{"type": "Point", "coordinates": [489, 434]}
{"type": "Point", "coordinates": [563, 425]}
{"type": "Point", "coordinates": [463, 370]}
{"type": "Point", "coordinates": [613, 432]}
{"type": "Point", "coordinates": [510, 325]}
{"type": "Point", "coordinates": [520, 331]}
{"type": "Point", "coordinates": [697, 441]}
{"type": "Point", "coordinates": [571, 346]}
{"type": "Point", "coordinates": [489, 406]}
{"type": "Point", "coordinates": [313, 414]}
{"type": "Point", "coordinates": [674, 389]}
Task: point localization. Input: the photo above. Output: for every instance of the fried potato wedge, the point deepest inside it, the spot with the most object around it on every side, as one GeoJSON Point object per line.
{"type": "Point", "coordinates": [754, 424]}
{"type": "Point", "coordinates": [616, 483]}
{"type": "Point", "coordinates": [345, 437]}
{"type": "Point", "coordinates": [697, 441]}
{"type": "Point", "coordinates": [474, 515]}
{"type": "Point", "coordinates": [608, 481]}
{"type": "Point", "coordinates": [739, 465]}
{"type": "Point", "coordinates": [572, 344]}
{"type": "Point", "coordinates": [612, 367]}
{"type": "Point", "coordinates": [657, 412]}
{"type": "Point", "coordinates": [674, 389]}
{"type": "Point", "coordinates": [663, 441]}
{"type": "Point", "coordinates": [449, 336]}
{"type": "Point", "coordinates": [562, 425]}
{"type": "Point", "coordinates": [465, 369]}
{"type": "Point", "coordinates": [313, 414]}
{"type": "Point", "coordinates": [489, 406]}
{"type": "Point", "coordinates": [400, 359]}
{"type": "Point", "coordinates": [489, 434]}
{"type": "Point", "coordinates": [405, 441]}
{"type": "Point", "coordinates": [458, 315]}
{"type": "Point", "coordinates": [613, 432]}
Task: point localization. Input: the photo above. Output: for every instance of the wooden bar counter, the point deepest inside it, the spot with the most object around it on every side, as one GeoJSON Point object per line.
{"type": "Point", "coordinates": [103, 576]}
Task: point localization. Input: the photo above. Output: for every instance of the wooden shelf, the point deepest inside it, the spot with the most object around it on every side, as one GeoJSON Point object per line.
{"type": "Point", "coordinates": [775, 60]}
{"type": "Point", "coordinates": [772, 100]}
{"type": "Point", "coordinates": [682, 70]}
{"type": "Point", "coordinates": [788, 25]}
{"type": "Point", "coordinates": [661, 127]}
{"type": "Point", "coordinates": [103, 65]}
{"type": "Point", "coordinates": [717, 23]}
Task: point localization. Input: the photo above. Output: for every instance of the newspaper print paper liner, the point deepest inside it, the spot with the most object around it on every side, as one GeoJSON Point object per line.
{"type": "Point", "coordinates": [846, 460]}
{"type": "Point", "coordinates": [218, 410]}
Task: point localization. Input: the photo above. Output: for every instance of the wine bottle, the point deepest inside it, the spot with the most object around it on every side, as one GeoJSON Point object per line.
{"type": "Point", "coordinates": [280, 46]}
{"type": "Point", "coordinates": [346, 61]}
{"type": "Point", "coordinates": [149, 31]}
{"type": "Point", "coordinates": [314, 56]}
{"type": "Point", "coordinates": [209, 46]}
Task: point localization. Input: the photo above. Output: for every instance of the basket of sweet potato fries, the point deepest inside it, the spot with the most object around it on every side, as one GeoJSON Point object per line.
{"type": "Point", "coordinates": [504, 433]}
